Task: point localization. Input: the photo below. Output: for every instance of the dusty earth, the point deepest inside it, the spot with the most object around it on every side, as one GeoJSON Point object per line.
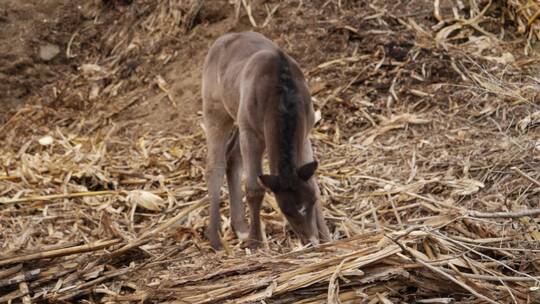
{"type": "Point", "coordinates": [30, 26]}
{"type": "Point", "coordinates": [26, 27]}
{"type": "Point", "coordinates": [405, 120]}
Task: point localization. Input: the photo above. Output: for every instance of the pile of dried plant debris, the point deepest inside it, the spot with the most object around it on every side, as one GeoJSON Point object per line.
{"type": "Point", "coordinates": [428, 138]}
{"type": "Point", "coordinates": [526, 16]}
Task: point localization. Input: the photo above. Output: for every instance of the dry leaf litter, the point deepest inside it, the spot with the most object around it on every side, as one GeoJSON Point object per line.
{"type": "Point", "coordinates": [427, 134]}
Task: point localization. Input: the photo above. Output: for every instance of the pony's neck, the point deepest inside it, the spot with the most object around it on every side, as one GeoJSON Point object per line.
{"type": "Point", "coordinates": [282, 154]}
{"type": "Point", "coordinates": [287, 119]}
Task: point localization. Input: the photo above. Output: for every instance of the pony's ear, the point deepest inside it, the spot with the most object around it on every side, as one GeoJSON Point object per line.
{"type": "Point", "coordinates": [306, 171]}
{"type": "Point", "coordinates": [269, 182]}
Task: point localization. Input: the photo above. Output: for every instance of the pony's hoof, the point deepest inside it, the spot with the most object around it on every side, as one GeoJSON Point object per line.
{"type": "Point", "coordinates": [242, 235]}
{"type": "Point", "coordinates": [214, 239]}
{"type": "Point", "coordinates": [254, 244]}
{"type": "Point", "coordinates": [242, 231]}
{"type": "Point", "coordinates": [216, 245]}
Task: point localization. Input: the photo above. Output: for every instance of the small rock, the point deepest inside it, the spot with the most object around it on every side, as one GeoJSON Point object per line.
{"type": "Point", "coordinates": [48, 51]}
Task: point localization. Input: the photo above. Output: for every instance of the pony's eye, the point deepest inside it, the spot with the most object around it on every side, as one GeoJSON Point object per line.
{"type": "Point", "coordinates": [287, 210]}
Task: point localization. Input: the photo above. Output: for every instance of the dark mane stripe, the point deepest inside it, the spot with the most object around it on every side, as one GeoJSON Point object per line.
{"type": "Point", "coordinates": [288, 118]}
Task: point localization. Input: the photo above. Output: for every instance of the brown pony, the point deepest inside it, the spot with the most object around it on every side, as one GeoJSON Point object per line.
{"type": "Point", "coordinates": [249, 81]}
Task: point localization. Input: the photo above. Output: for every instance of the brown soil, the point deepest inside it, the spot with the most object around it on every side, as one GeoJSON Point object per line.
{"type": "Point", "coordinates": [27, 26]}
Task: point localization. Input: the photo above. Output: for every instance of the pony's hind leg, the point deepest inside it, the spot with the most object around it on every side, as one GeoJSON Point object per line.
{"type": "Point", "coordinates": [234, 181]}
{"type": "Point", "coordinates": [218, 127]}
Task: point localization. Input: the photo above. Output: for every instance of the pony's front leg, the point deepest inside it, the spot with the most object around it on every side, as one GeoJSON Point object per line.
{"type": "Point", "coordinates": [324, 232]}
{"type": "Point", "coordinates": [218, 129]}
{"type": "Point", "coordinates": [234, 180]}
{"type": "Point", "coordinates": [252, 151]}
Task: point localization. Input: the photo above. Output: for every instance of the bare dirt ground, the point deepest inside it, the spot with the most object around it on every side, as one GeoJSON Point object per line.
{"type": "Point", "coordinates": [428, 142]}
{"type": "Point", "coordinates": [26, 27]}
